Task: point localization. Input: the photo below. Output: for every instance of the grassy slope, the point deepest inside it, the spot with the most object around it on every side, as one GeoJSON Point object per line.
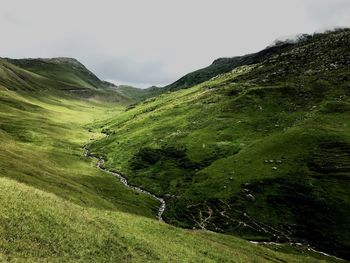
{"type": "Point", "coordinates": [37, 226]}
{"type": "Point", "coordinates": [66, 70]}
{"type": "Point", "coordinates": [55, 206]}
{"type": "Point", "coordinates": [263, 151]}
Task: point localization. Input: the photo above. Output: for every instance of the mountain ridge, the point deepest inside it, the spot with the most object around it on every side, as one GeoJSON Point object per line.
{"type": "Point", "coordinates": [226, 64]}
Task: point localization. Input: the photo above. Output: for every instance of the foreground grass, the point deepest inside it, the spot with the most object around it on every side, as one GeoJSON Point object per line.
{"type": "Point", "coordinates": [37, 226]}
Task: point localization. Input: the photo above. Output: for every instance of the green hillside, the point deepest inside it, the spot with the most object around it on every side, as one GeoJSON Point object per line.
{"type": "Point", "coordinates": [225, 65]}
{"type": "Point", "coordinates": [262, 151]}
{"type": "Point", "coordinates": [56, 206]}
{"type": "Point", "coordinates": [66, 70]}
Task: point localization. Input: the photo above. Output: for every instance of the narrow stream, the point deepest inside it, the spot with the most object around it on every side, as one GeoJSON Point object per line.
{"type": "Point", "coordinates": [124, 181]}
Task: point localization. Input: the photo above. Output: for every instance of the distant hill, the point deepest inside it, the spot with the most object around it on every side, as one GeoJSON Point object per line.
{"type": "Point", "coordinates": [65, 75]}
{"type": "Point", "coordinates": [139, 94]}
{"type": "Point", "coordinates": [67, 70]}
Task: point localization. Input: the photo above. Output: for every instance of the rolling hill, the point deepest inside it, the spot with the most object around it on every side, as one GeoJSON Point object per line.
{"type": "Point", "coordinates": [256, 146]}
{"type": "Point", "coordinates": [67, 70]}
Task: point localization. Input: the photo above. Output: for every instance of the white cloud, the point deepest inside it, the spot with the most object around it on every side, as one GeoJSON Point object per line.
{"type": "Point", "coordinates": [156, 41]}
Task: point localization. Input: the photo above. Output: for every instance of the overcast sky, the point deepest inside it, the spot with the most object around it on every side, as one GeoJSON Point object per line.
{"type": "Point", "coordinates": [154, 42]}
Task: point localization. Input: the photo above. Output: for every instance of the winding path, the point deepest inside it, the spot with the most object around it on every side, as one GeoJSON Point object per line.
{"type": "Point", "coordinates": [124, 181]}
